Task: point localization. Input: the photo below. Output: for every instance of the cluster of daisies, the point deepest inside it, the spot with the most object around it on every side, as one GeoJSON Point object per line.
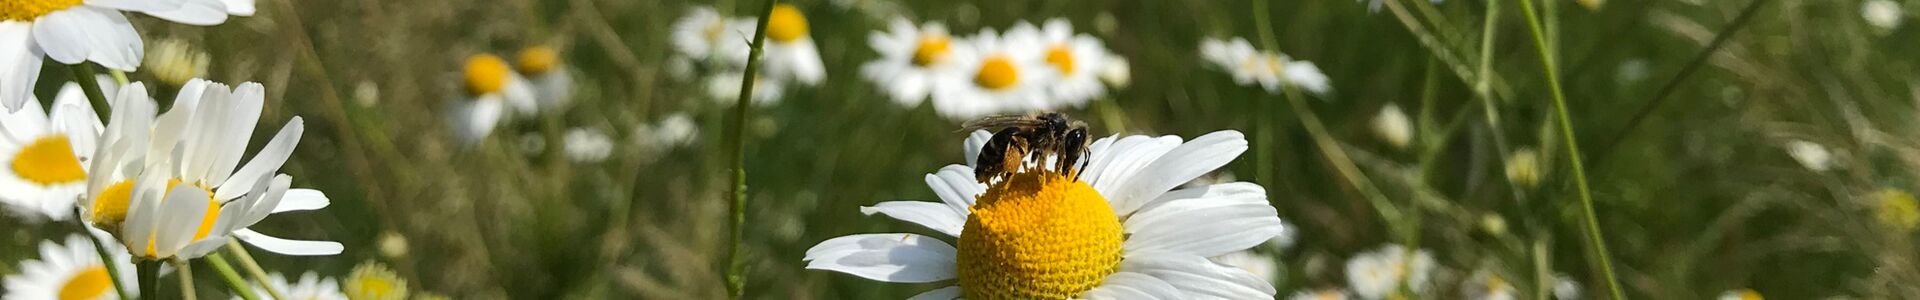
{"type": "Point", "coordinates": [495, 92]}
{"type": "Point", "coordinates": [147, 185]}
{"type": "Point", "coordinates": [716, 47]}
{"type": "Point", "coordinates": [1025, 68]}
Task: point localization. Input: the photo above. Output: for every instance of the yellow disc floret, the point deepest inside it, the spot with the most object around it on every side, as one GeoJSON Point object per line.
{"type": "Point", "coordinates": [786, 24]}
{"type": "Point", "coordinates": [1897, 209]}
{"type": "Point", "coordinates": [537, 60]}
{"type": "Point", "coordinates": [1038, 234]}
{"type": "Point", "coordinates": [28, 10]}
{"type": "Point", "coordinates": [996, 73]}
{"type": "Point", "coordinates": [1061, 57]}
{"type": "Point", "coordinates": [48, 160]}
{"type": "Point", "coordinates": [373, 281]}
{"type": "Point", "coordinates": [90, 283]}
{"type": "Point", "coordinates": [486, 74]}
{"type": "Point", "coordinates": [109, 210]}
{"type": "Point", "coordinates": [931, 50]}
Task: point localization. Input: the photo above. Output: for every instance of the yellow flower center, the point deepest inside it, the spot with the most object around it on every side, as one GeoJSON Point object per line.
{"type": "Point", "coordinates": [110, 209]}
{"type": "Point", "coordinates": [786, 24]}
{"type": "Point", "coordinates": [206, 221]}
{"type": "Point", "coordinates": [997, 72]}
{"type": "Point", "coordinates": [932, 50]}
{"type": "Point", "coordinates": [1898, 210]}
{"type": "Point", "coordinates": [1038, 234]}
{"type": "Point", "coordinates": [1750, 294]}
{"type": "Point", "coordinates": [1061, 57]}
{"type": "Point", "coordinates": [48, 160]}
{"type": "Point", "coordinates": [372, 281]}
{"type": "Point", "coordinates": [28, 10]}
{"type": "Point", "coordinates": [535, 61]}
{"type": "Point", "coordinates": [89, 283]}
{"type": "Point", "coordinates": [486, 74]}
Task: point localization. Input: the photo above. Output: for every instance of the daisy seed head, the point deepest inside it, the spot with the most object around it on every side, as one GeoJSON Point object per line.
{"type": "Point", "coordinates": [486, 74]}
{"type": "Point", "coordinates": [786, 24]}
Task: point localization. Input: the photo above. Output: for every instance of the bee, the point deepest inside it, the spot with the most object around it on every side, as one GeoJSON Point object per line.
{"type": "Point", "coordinates": [1042, 135]}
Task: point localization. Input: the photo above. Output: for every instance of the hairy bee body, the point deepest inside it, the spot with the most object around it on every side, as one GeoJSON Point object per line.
{"type": "Point", "coordinates": [1044, 136]}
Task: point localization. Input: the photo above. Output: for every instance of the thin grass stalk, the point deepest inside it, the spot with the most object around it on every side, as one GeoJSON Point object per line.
{"type": "Point", "coordinates": [1322, 140]}
{"type": "Point", "coordinates": [1265, 133]}
{"type": "Point", "coordinates": [1594, 237]}
{"type": "Point", "coordinates": [233, 280]}
{"type": "Point", "coordinates": [1640, 116]}
{"type": "Point", "coordinates": [253, 268]}
{"type": "Point", "coordinates": [736, 262]}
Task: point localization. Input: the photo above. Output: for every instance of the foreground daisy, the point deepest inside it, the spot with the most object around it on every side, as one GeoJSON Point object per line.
{"type": "Point", "coordinates": [492, 89]}
{"type": "Point", "coordinates": [547, 76]}
{"type": "Point", "coordinates": [1268, 69]}
{"type": "Point", "coordinates": [1112, 230]}
{"type": "Point", "coordinates": [1078, 58]}
{"type": "Point", "coordinates": [912, 59]}
{"type": "Point", "coordinates": [1380, 273]}
{"type": "Point", "coordinates": [999, 74]}
{"type": "Point", "coordinates": [310, 287]}
{"type": "Point", "coordinates": [789, 49]}
{"type": "Point", "coordinates": [45, 155]}
{"type": "Point", "coordinates": [189, 198]}
{"type": "Point", "coordinates": [70, 270]}
{"type": "Point", "coordinates": [79, 31]}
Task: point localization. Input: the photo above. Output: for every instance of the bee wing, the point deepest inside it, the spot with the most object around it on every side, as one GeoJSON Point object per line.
{"type": "Point", "coordinates": [999, 121]}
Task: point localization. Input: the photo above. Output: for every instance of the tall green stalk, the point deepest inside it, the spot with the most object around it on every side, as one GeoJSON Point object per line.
{"type": "Point", "coordinates": [1594, 238]}
{"type": "Point", "coordinates": [184, 270]}
{"type": "Point", "coordinates": [84, 74]}
{"type": "Point", "coordinates": [736, 262]}
{"type": "Point", "coordinates": [253, 268]}
{"type": "Point", "coordinates": [233, 280]}
{"type": "Point", "coordinates": [147, 272]}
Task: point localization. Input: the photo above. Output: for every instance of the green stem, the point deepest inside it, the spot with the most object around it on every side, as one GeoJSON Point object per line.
{"type": "Point", "coordinates": [736, 262]}
{"type": "Point", "coordinates": [239, 286]}
{"type": "Point", "coordinates": [113, 269]}
{"type": "Point", "coordinates": [1594, 237]}
{"type": "Point", "coordinates": [118, 76]}
{"type": "Point", "coordinates": [83, 73]}
{"type": "Point", "coordinates": [1265, 133]}
{"type": "Point", "coordinates": [253, 268]}
{"type": "Point", "coordinates": [184, 271]}
{"type": "Point", "coordinates": [147, 272]}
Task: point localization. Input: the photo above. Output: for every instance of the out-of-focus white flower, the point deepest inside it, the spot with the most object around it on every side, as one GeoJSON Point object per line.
{"type": "Point", "coordinates": [43, 157]}
{"type": "Point", "coordinates": [1379, 274]}
{"type": "Point", "coordinates": [1883, 14]}
{"type": "Point", "coordinates": [1742, 294]}
{"type": "Point", "coordinates": [588, 145]}
{"type": "Point", "coordinates": [1077, 59]}
{"type": "Point", "coordinates": [552, 85]}
{"type": "Point", "coordinates": [309, 287]}
{"type": "Point", "coordinates": [1260, 265]}
{"type": "Point", "coordinates": [1813, 156]}
{"type": "Point", "coordinates": [1392, 126]}
{"type": "Point", "coordinates": [912, 60]}
{"type": "Point", "coordinates": [1485, 285]}
{"type": "Point", "coordinates": [1271, 70]}
{"type": "Point", "coordinates": [724, 88]}
{"type": "Point", "coordinates": [70, 270]}
{"type": "Point", "coordinates": [174, 62]}
{"type": "Point", "coordinates": [790, 54]}
{"type": "Point", "coordinates": [1320, 294]}
{"type": "Point", "coordinates": [1118, 74]}
{"type": "Point", "coordinates": [1565, 288]}
{"type": "Point", "coordinates": [1632, 71]}
{"type": "Point", "coordinates": [493, 90]}
{"type": "Point", "coordinates": [999, 74]}
{"type": "Point", "coordinates": [703, 35]}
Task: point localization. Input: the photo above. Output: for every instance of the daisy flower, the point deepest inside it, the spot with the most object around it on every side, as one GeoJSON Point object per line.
{"type": "Point", "coordinates": [310, 287]}
{"type": "Point", "coordinates": [491, 89]}
{"type": "Point", "coordinates": [70, 271]}
{"type": "Point", "coordinates": [1565, 288]}
{"type": "Point", "coordinates": [1268, 69]}
{"type": "Point", "coordinates": [1260, 265]}
{"type": "Point", "coordinates": [551, 84]}
{"type": "Point", "coordinates": [45, 155]}
{"type": "Point", "coordinates": [704, 35]}
{"type": "Point", "coordinates": [1392, 126]}
{"type": "Point", "coordinates": [78, 31]}
{"type": "Point", "coordinates": [912, 59]}
{"type": "Point", "coordinates": [790, 52]}
{"type": "Point", "coordinates": [1078, 58]}
{"type": "Point", "coordinates": [1380, 273]}
{"type": "Point", "coordinates": [1487, 286]}
{"type": "Point", "coordinates": [587, 145]}
{"type": "Point", "coordinates": [1882, 14]}
{"type": "Point", "coordinates": [999, 74]}
{"type": "Point", "coordinates": [189, 198]}
{"type": "Point", "coordinates": [1321, 294]}
{"type": "Point", "coordinates": [173, 62]}
{"type": "Point", "coordinates": [1811, 155]}
{"type": "Point", "coordinates": [374, 281]}
{"type": "Point", "coordinates": [1113, 230]}
{"type": "Point", "coordinates": [1742, 294]}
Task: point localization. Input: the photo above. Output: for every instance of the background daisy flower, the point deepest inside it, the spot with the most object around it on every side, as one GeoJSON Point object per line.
{"type": "Point", "coordinates": [70, 270]}
{"type": "Point", "coordinates": [492, 89]}
{"type": "Point", "coordinates": [551, 84]}
{"type": "Point", "coordinates": [999, 74]}
{"type": "Point", "coordinates": [1270, 70]}
{"type": "Point", "coordinates": [77, 31]}
{"type": "Point", "coordinates": [1119, 231]}
{"type": "Point", "coordinates": [587, 145]}
{"type": "Point", "coordinates": [1380, 273]}
{"type": "Point", "coordinates": [724, 88]}
{"type": "Point", "coordinates": [309, 287]}
{"type": "Point", "coordinates": [44, 171]}
{"type": "Point", "coordinates": [1077, 58]}
{"type": "Point", "coordinates": [704, 35]}
{"type": "Point", "coordinates": [374, 281]}
{"type": "Point", "coordinates": [790, 52]}
{"type": "Point", "coordinates": [912, 60]}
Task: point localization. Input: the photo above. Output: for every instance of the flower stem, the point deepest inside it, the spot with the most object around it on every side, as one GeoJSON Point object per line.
{"type": "Point", "coordinates": [736, 262]}
{"type": "Point", "coordinates": [147, 272]}
{"type": "Point", "coordinates": [184, 271]}
{"type": "Point", "coordinates": [84, 74]}
{"type": "Point", "coordinates": [239, 286]}
{"type": "Point", "coordinates": [113, 269]}
{"type": "Point", "coordinates": [1594, 237]}
{"type": "Point", "coordinates": [253, 268]}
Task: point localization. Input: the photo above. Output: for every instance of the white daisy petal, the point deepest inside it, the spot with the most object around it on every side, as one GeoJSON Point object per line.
{"type": "Point", "coordinates": [64, 35]}
{"type": "Point", "coordinates": [240, 7]}
{"type": "Point", "coordinates": [247, 101]}
{"type": "Point", "coordinates": [181, 214]}
{"type": "Point", "coordinates": [302, 199]}
{"type": "Point", "coordinates": [945, 293]}
{"type": "Point", "coordinates": [19, 64]}
{"type": "Point", "coordinates": [1206, 222]}
{"type": "Point", "coordinates": [956, 187]}
{"type": "Point", "coordinates": [889, 257]}
{"type": "Point", "coordinates": [286, 246]}
{"type": "Point", "coordinates": [1180, 165]}
{"type": "Point", "coordinates": [932, 215]}
{"type": "Point", "coordinates": [266, 162]}
{"type": "Point", "coordinates": [195, 12]}
{"type": "Point", "coordinates": [975, 141]}
{"type": "Point", "coordinates": [138, 5]}
{"type": "Point", "coordinates": [1129, 286]}
{"type": "Point", "coordinates": [1199, 278]}
{"type": "Point", "coordinates": [1116, 161]}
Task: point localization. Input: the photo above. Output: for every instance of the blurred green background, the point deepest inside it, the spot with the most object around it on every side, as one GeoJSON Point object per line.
{"type": "Point", "coordinates": [1700, 199]}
